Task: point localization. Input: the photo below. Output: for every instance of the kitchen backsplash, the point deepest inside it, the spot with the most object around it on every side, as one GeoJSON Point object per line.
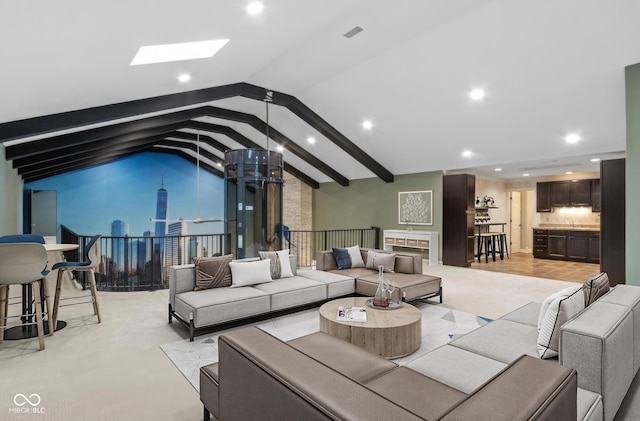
{"type": "Point", "coordinates": [569, 216]}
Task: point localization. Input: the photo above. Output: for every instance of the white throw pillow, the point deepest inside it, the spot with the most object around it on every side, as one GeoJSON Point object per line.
{"type": "Point", "coordinates": [547, 301]}
{"type": "Point", "coordinates": [250, 273]}
{"type": "Point", "coordinates": [560, 310]}
{"type": "Point", "coordinates": [285, 264]}
{"type": "Point", "coordinates": [356, 257]}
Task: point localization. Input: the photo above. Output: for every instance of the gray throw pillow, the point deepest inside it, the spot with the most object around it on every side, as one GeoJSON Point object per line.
{"type": "Point", "coordinates": [212, 272]}
{"type": "Point", "coordinates": [595, 288]}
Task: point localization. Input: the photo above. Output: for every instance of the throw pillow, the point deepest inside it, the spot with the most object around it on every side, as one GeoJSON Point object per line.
{"type": "Point", "coordinates": [342, 258]}
{"type": "Point", "coordinates": [547, 302]}
{"type": "Point", "coordinates": [388, 261]}
{"type": "Point", "coordinates": [280, 263]}
{"type": "Point", "coordinates": [595, 288]}
{"type": "Point", "coordinates": [355, 256]}
{"type": "Point", "coordinates": [212, 272]}
{"type": "Point", "coordinates": [559, 312]}
{"type": "Point", "coordinates": [250, 273]}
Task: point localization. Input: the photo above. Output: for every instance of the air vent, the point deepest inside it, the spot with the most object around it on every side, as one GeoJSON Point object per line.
{"type": "Point", "coordinates": [552, 166]}
{"type": "Point", "coordinates": [352, 33]}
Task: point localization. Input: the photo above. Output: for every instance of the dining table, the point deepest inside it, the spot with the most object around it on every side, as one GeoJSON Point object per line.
{"type": "Point", "coordinates": [26, 331]}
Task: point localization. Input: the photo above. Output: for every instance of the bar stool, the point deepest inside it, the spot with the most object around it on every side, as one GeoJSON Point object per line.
{"type": "Point", "coordinates": [503, 246]}
{"type": "Point", "coordinates": [486, 240]}
{"type": "Point", "coordinates": [91, 260]}
{"type": "Point", "coordinates": [22, 263]}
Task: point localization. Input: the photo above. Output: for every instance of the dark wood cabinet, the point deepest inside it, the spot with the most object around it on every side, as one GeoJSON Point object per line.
{"type": "Point", "coordinates": [567, 193]}
{"type": "Point", "coordinates": [578, 246]}
{"type": "Point", "coordinates": [540, 240]}
{"type": "Point", "coordinates": [595, 195]}
{"type": "Point", "coordinates": [571, 245]}
{"type": "Point", "coordinates": [612, 220]}
{"type": "Point", "coordinates": [557, 244]}
{"type": "Point", "coordinates": [594, 247]}
{"type": "Point", "coordinates": [560, 193]}
{"type": "Point", "coordinates": [543, 197]}
{"type": "Point", "coordinates": [580, 192]}
{"type": "Point", "coordinates": [458, 224]}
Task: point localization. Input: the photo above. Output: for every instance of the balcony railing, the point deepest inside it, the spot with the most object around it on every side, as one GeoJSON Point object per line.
{"type": "Point", "coordinates": [143, 263]}
{"type": "Point", "coordinates": [304, 244]}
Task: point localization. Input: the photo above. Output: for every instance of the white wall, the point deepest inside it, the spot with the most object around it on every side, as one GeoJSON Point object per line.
{"type": "Point", "coordinates": [10, 197]}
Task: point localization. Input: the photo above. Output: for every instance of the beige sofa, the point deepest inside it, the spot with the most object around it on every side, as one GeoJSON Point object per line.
{"type": "Point", "coordinates": [601, 343]}
{"type": "Point", "coordinates": [411, 283]}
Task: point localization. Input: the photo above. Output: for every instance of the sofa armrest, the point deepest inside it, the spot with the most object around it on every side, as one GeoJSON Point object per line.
{"type": "Point", "coordinates": [598, 344]}
{"type": "Point", "coordinates": [182, 278]}
{"type": "Point", "coordinates": [527, 389]}
{"type": "Point", "coordinates": [325, 260]}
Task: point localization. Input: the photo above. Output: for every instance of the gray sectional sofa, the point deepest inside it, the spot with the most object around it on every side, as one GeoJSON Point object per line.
{"type": "Point", "coordinates": [199, 309]}
{"type": "Point", "coordinates": [601, 343]}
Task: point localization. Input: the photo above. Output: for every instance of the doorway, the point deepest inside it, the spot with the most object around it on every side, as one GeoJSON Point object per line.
{"type": "Point", "coordinates": [515, 219]}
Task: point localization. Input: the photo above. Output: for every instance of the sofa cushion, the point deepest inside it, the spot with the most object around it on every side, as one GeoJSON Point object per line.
{"type": "Point", "coordinates": [589, 405]}
{"type": "Point", "coordinates": [250, 273]}
{"type": "Point", "coordinates": [219, 305]}
{"type": "Point", "coordinates": [212, 272]}
{"type": "Point", "coordinates": [527, 314]}
{"type": "Point", "coordinates": [560, 310]}
{"type": "Point", "coordinates": [550, 299]}
{"type": "Point", "coordinates": [595, 288]}
{"type": "Point", "coordinates": [355, 256]}
{"type": "Point", "coordinates": [342, 356]}
{"type": "Point", "coordinates": [421, 395]}
{"type": "Point", "coordinates": [501, 340]}
{"type": "Point", "coordinates": [280, 264]}
{"type": "Point", "coordinates": [386, 260]}
{"type": "Point", "coordinates": [337, 284]}
{"type": "Point", "coordinates": [292, 292]}
{"type": "Point", "coordinates": [343, 260]}
{"type": "Point", "coordinates": [456, 367]}
{"type": "Point", "coordinates": [408, 286]}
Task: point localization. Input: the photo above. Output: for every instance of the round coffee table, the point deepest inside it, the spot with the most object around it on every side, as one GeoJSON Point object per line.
{"type": "Point", "coordinates": [388, 333]}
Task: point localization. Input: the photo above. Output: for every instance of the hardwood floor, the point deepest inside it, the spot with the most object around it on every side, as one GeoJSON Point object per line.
{"type": "Point", "coordinates": [525, 264]}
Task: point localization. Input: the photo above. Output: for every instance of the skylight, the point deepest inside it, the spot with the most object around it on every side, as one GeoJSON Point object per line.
{"type": "Point", "coordinates": [176, 52]}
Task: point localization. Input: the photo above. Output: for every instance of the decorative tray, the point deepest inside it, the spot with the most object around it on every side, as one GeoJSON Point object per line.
{"type": "Point", "coordinates": [393, 304]}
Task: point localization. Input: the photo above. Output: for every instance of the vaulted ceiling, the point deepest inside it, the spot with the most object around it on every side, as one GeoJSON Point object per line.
{"type": "Point", "coordinates": [69, 99]}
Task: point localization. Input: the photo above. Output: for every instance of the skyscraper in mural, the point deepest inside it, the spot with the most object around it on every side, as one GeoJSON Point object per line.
{"type": "Point", "coordinates": [160, 230]}
{"type": "Point", "coordinates": [119, 249]}
{"type": "Point", "coordinates": [161, 211]}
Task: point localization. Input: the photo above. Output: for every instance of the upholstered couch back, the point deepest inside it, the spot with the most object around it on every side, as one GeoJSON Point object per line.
{"type": "Point", "coordinates": [405, 262]}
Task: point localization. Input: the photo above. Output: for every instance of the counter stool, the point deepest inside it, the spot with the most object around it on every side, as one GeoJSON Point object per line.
{"type": "Point", "coordinates": [91, 260]}
{"type": "Point", "coordinates": [503, 246]}
{"type": "Point", "coordinates": [486, 241]}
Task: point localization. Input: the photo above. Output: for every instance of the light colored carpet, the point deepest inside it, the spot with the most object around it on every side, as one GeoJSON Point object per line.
{"type": "Point", "coordinates": [116, 370]}
{"type": "Point", "coordinates": [439, 326]}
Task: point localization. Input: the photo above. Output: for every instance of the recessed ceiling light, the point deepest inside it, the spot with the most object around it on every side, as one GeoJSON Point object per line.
{"type": "Point", "coordinates": [175, 52]}
{"type": "Point", "coordinates": [255, 8]}
{"type": "Point", "coordinates": [220, 164]}
{"type": "Point", "coordinates": [184, 78]}
{"type": "Point", "coordinates": [280, 148]}
{"type": "Point", "coordinates": [498, 169]}
{"type": "Point", "coordinates": [477, 94]}
{"type": "Point", "coordinates": [572, 138]}
{"type": "Point", "coordinates": [311, 140]}
{"type": "Point", "coordinates": [569, 172]}
{"type": "Point", "coordinates": [467, 153]}
{"type": "Point", "coordinates": [525, 175]}
{"type": "Point", "coordinates": [595, 159]}
{"type": "Point", "coordinates": [368, 125]}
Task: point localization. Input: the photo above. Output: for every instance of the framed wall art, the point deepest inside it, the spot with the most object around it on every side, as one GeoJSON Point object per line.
{"type": "Point", "coordinates": [415, 207]}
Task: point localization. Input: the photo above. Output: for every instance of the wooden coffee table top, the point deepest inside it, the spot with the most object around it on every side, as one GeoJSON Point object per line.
{"type": "Point", "coordinates": [388, 333]}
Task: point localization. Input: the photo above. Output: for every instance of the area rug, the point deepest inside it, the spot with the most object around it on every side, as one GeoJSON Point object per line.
{"type": "Point", "coordinates": [439, 326]}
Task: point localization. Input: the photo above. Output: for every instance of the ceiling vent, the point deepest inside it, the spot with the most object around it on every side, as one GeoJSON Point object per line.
{"type": "Point", "coordinates": [552, 166]}
{"type": "Point", "coordinates": [352, 33]}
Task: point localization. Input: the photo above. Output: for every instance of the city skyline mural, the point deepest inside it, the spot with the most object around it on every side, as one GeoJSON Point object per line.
{"type": "Point", "coordinates": [89, 201]}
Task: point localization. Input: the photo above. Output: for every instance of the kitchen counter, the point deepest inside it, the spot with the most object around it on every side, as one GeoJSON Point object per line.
{"type": "Point", "coordinates": [568, 227]}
